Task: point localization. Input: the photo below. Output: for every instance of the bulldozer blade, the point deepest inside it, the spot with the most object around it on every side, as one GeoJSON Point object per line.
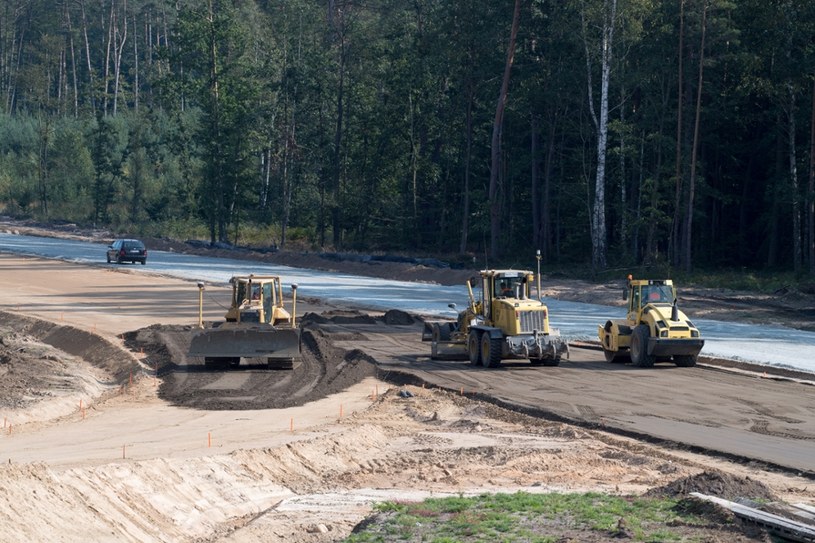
{"type": "Point", "coordinates": [247, 342]}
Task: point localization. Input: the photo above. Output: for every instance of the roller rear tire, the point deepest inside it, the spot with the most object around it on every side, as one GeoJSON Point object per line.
{"type": "Point", "coordinates": [639, 348]}
{"type": "Point", "coordinates": [685, 361]}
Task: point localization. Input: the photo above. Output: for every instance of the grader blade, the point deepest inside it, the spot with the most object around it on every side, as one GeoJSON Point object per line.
{"type": "Point", "coordinates": [247, 342]}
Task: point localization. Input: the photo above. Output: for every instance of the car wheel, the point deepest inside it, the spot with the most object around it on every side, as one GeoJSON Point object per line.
{"type": "Point", "coordinates": [108, 258]}
{"type": "Point", "coordinates": [143, 262]}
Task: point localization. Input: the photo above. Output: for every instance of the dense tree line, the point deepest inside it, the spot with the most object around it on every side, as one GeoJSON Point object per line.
{"type": "Point", "coordinates": [604, 132]}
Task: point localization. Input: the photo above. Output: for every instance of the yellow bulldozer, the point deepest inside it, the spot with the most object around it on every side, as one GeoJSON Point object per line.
{"type": "Point", "coordinates": [505, 322]}
{"type": "Point", "coordinates": [256, 326]}
{"type": "Point", "coordinates": [654, 328]}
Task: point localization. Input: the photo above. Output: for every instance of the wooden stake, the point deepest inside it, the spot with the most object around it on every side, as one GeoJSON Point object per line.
{"type": "Point", "coordinates": [291, 425]}
{"type": "Point", "coordinates": [209, 439]}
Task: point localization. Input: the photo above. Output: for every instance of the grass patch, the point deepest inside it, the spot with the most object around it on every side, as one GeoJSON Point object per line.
{"type": "Point", "coordinates": [539, 518]}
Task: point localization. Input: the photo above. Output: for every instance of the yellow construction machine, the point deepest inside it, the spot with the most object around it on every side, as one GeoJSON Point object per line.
{"type": "Point", "coordinates": [504, 322]}
{"type": "Point", "coordinates": [654, 328]}
{"type": "Point", "coordinates": [256, 326]}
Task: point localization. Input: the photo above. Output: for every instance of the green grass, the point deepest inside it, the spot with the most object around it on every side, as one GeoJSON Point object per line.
{"type": "Point", "coordinates": [539, 518]}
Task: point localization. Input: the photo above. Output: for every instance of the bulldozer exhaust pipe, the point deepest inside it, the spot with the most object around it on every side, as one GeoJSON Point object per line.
{"type": "Point", "coordinates": [200, 304]}
{"type": "Point", "coordinates": [294, 305]}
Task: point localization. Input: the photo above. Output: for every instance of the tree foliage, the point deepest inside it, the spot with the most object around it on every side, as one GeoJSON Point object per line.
{"type": "Point", "coordinates": [370, 125]}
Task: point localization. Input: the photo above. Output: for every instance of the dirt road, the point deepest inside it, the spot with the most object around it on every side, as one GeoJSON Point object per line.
{"type": "Point", "coordinates": [197, 456]}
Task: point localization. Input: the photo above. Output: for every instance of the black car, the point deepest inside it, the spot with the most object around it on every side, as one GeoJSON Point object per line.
{"type": "Point", "coordinates": [127, 250]}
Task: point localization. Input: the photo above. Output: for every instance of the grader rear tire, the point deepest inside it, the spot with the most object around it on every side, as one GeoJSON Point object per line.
{"type": "Point", "coordinates": [474, 348]}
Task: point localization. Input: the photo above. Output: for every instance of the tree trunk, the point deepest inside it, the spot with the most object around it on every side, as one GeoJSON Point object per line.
{"type": "Point", "coordinates": [119, 45]}
{"type": "Point", "coordinates": [337, 21]}
{"type": "Point", "coordinates": [623, 187]}
{"type": "Point", "coordinates": [135, 65]}
{"type": "Point", "coordinates": [673, 243]}
{"type": "Point", "coordinates": [91, 80]}
{"type": "Point", "coordinates": [42, 170]}
{"type": "Point", "coordinates": [797, 251]}
{"type": "Point", "coordinates": [536, 198]}
{"type": "Point", "coordinates": [692, 184]}
{"type": "Point", "coordinates": [497, 126]}
{"type": "Point", "coordinates": [69, 31]}
{"type": "Point", "coordinates": [598, 211]}
{"type": "Point", "coordinates": [811, 188]}
{"type": "Point", "coordinates": [548, 165]}
{"type": "Point", "coordinates": [108, 46]}
{"type": "Point", "coordinates": [465, 197]}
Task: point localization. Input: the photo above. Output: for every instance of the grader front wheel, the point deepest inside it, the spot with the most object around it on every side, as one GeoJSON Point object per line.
{"type": "Point", "coordinates": [490, 351]}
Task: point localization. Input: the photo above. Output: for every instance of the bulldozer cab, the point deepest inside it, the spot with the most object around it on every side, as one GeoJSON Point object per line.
{"type": "Point", "coordinates": [256, 299]}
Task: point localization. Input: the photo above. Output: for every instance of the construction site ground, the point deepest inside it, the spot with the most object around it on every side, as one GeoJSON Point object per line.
{"type": "Point", "coordinates": [111, 434]}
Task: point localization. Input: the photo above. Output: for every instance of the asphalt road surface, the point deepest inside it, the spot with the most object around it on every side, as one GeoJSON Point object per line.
{"type": "Point", "coordinates": [742, 416]}
{"type": "Point", "coordinates": [738, 415]}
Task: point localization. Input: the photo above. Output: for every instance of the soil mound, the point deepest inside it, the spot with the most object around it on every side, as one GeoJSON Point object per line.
{"type": "Point", "coordinates": [90, 347]}
{"type": "Point", "coordinates": [322, 370]}
{"type": "Point", "coordinates": [716, 483]}
{"type": "Point", "coordinates": [398, 317]}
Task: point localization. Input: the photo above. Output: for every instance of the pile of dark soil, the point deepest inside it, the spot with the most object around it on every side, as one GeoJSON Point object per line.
{"type": "Point", "coordinates": [322, 370]}
{"type": "Point", "coordinates": [716, 483]}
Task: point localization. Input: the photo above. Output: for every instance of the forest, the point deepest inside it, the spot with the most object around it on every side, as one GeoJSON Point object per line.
{"type": "Point", "coordinates": [602, 133]}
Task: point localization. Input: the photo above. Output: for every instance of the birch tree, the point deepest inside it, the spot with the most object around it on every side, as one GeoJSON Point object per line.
{"type": "Point", "coordinates": [608, 17]}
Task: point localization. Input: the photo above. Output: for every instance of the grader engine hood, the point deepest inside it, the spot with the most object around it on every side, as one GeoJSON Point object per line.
{"type": "Point", "coordinates": [521, 316]}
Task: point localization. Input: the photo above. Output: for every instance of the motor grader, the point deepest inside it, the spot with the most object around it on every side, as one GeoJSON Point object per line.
{"type": "Point", "coordinates": [505, 322]}
{"type": "Point", "coordinates": [654, 328]}
{"type": "Point", "coordinates": [256, 326]}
